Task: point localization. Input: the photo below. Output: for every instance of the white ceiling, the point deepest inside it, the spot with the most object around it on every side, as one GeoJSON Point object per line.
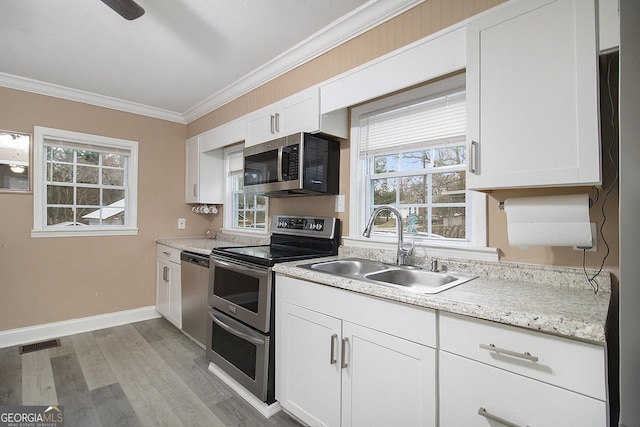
{"type": "Point", "coordinates": [182, 58]}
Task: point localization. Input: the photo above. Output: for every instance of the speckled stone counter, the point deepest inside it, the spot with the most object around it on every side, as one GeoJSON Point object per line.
{"type": "Point", "coordinates": [201, 245]}
{"type": "Point", "coordinates": [555, 300]}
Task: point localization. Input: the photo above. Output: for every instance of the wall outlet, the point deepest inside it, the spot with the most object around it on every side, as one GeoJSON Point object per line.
{"type": "Point", "coordinates": [594, 240]}
{"type": "Point", "coordinates": [182, 223]}
{"type": "Point", "coordinates": [340, 202]}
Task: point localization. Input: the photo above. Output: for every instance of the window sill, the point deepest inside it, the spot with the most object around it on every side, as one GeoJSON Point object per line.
{"type": "Point", "coordinates": [431, 249]}
{"type": "Point", "coordinates": [238, 232]}
{"type": "Point", "coordinates": [64, 232]}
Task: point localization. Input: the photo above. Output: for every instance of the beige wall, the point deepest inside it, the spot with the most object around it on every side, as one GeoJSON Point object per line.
{"type": "Point", "coordinates": [51, 279]}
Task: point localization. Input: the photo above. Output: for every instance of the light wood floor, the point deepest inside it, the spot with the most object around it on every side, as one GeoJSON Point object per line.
{"type": "Point", "coordinates": [141, 374]}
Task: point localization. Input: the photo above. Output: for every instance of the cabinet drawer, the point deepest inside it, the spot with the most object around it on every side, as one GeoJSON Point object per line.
{"type": "Point", "coordinates": [466, 386]}
{"type": "Point", "coordinates": [570, 364]}
{"type": "Point", "coordinates": [168, 253]}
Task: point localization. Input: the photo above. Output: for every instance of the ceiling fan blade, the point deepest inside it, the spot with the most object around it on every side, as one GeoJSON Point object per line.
{"type": "Point", "coordinates": [128, 9]}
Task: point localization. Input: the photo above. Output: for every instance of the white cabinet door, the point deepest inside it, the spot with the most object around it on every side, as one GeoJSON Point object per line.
{"type": "Point", "coordinates": [300, 113]}
{"type": "Point", "coordinates": [297, 113]}
{"type": "Point", "coordinates": [192, 170]}
{"type": "Point", "coordinates": [168, 284]}
{"type": "Point", "coordinates": [308, 365]}
{"type": "Point", "coordinates": [175, 295]}
{"type": "Point", "coordinates": [261, 126]}
{"type": "Point", "coordinates": [468, 387]}
{"type": "Point", "coordinates": [204, 172]}
{"type": "Point", "coordinates": [388, 381]}
{"type": "Point", "coordinates": [162, 286]}
{"type": "Point", "coordinates": [532, 95]}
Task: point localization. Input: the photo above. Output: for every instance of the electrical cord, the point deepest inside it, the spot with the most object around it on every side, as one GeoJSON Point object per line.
{"type": "Point", "coordinates": [592, 280]}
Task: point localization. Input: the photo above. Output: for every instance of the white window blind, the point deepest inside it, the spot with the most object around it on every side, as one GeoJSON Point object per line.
{"type": "Point", "coordinates": [435, 120]}
{"type": "Point", "coordinates": [236, 163]}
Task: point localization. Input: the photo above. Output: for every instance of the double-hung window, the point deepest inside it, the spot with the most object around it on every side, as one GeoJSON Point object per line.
{"type": "Point", "coordinates": [84, 185]}
{"type": "Point", "coordinates": [248, 210]}
{"type": "Point", "coordinates": [409, 151]}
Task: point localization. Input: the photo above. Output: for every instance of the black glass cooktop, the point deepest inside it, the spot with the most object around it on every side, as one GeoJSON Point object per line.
{"type": "Point", "coordinates": [294, 238]}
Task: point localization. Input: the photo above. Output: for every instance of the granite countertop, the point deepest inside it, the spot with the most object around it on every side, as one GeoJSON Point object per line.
{"type": "Point", "coordinates": [554, 300]}
{"type": "Point", "coordinates": [199, 245]}
{"type": "Point", "coordinates": [202, 245]}
{"type": "Point", "coordinates": [546, 305]}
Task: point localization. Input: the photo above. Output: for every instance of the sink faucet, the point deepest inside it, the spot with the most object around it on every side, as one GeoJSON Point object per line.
{"type": "Point", "coordinates": [403, 251]}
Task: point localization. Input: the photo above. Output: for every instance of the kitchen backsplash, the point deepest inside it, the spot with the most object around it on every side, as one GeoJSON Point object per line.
{"type": "Point", "coordinates": [561, 276]}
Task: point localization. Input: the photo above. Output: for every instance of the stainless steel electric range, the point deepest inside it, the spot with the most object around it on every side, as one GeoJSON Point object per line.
{"type": "Point", "coordinates": [240, 339]}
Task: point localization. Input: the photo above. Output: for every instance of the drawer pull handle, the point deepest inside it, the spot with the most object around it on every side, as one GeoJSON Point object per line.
{"type": "Point", "coordinates": [526, 355]}
{"type": "Point", "coordinates": [483, 413]}
{"type": "Point", "coordinates": [333, 359]}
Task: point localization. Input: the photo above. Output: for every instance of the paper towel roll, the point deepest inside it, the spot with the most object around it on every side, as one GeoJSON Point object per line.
{"type": "Point", "coordinates": [549, 221]}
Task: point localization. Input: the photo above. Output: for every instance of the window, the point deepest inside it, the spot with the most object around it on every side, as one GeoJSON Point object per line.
{"type": "Point", "coordinates": [248, 210]}
{"type": "Point", "coordinates": [410, 152]}
{"type": "Point", "coordinates": [83, 184]}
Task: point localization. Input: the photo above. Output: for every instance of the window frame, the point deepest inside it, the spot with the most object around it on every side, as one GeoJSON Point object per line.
{"type": "Point", "coordinates": [229, 214]}
{"type": "Point", "coordinates": [40, 228]}
{"type": "Point", "coordinates": [476, 239]}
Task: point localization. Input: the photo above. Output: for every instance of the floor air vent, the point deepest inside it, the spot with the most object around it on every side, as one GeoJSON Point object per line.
{"type": "Point", "coordinates": [28, 348]}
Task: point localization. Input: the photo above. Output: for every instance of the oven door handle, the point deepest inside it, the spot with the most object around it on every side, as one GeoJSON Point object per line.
{"type": "Point", "coordinates": [236, 267]}
{"type": "Point", "coordinates": [249, 338]}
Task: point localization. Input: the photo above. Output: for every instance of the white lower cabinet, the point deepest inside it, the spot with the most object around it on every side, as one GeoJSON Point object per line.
{"type": "Point", "coordinates": [168, 284]}
{"type": "Point", "coordinates": [475, 394]}
{"type": "Point", "coordinates": [346, 359]}
{"type": "Point", "coordinates": [336, 365]}
{"type": "Point", "coordinates": [500, 375]}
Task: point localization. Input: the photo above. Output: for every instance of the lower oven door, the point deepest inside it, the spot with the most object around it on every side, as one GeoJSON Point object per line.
{"type": "Point", "coordinates": [241, 290]}
{"type": "Point", "coordinates": [242, 352]}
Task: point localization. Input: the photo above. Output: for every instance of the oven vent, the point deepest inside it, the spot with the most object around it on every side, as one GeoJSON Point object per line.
{"type": "Point", "coordinates": [28, 348]}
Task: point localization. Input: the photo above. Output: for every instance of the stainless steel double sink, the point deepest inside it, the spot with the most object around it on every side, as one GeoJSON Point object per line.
{"type": "Point", "coordinates": [402, 277]}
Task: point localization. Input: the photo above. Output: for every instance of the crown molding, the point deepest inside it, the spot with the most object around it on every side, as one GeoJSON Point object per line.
{"type": "Point", "coordinates": [48, 89]}
{"type": "Point", "coordinates": [362, 19]}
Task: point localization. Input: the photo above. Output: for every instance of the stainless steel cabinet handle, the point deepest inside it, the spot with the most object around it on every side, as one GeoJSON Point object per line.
{"type": "Point", "coordinates": [483, 413]}
{"type": "Point", "coordinates": [473, 157]}
{"type": "Point", "coordinates": [273, 123]}
{"type": "Point", "coordinates": [345, 341]}
{"type": "Point", "coordinates": [526, 355]}
{"type": "Point", "coordinates": [165, 274]}
{"type": "Point", "coordinates": [334, 340]}
{"type": "Point", "coordinates": [195, 190]}
{"type": "Point", "coordinates": [277, 122]}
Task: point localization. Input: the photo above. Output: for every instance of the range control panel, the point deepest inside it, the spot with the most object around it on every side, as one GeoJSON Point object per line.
{"type": "Point", "coordinates": [304, 225]}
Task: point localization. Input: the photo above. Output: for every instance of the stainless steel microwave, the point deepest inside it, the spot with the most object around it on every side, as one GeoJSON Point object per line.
{"type": "Point", "coordinates": [295, 165]}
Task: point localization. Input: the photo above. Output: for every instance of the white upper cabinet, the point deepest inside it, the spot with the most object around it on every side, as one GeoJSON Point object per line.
{"type": "Point", "coordinates": [532, 95]}
{"type": "Point", "coordinates": [297, 113]}
{"type": "Point", "coordinates": [413, 64]}
{"type": "Point", "coordinates": [609, 25]}
{"type": "Point", "coordinates": [204, 162]}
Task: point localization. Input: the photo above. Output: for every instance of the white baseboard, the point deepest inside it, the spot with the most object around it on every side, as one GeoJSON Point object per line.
{"type": "Point", "coordinates": [266, 410]}
{"type": "Point", "coordinates": [49, 331]}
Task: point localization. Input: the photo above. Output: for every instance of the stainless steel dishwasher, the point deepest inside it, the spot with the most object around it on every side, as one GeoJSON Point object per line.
{"type": "Point", "coordinates": [195, 285]}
